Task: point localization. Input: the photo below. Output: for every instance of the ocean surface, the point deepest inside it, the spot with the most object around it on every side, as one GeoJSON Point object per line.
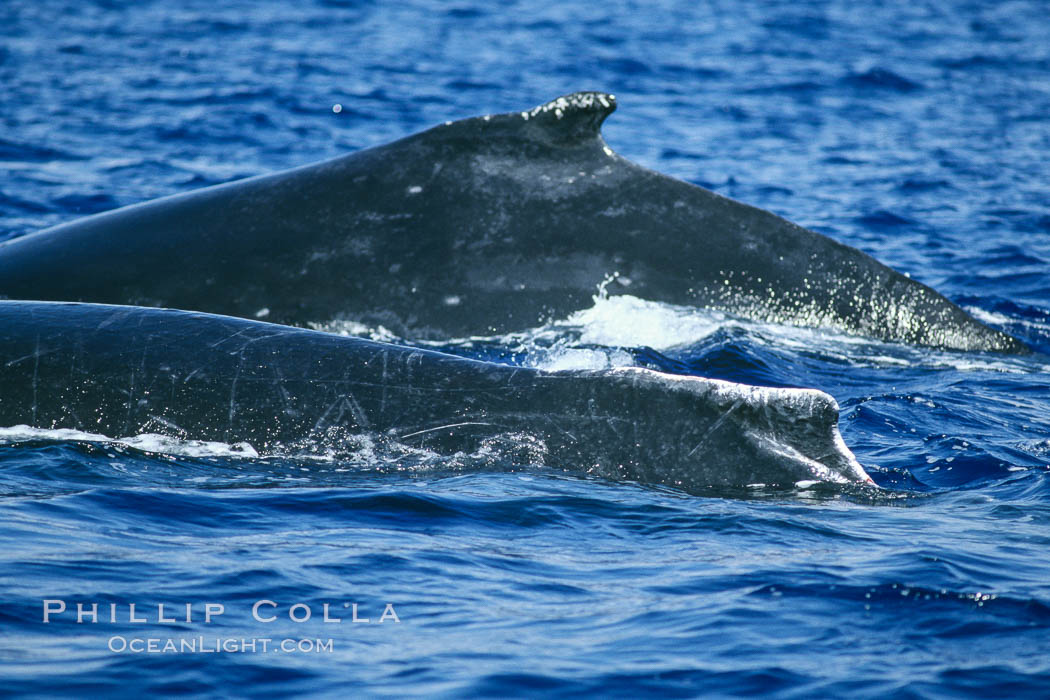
{"type": "Point", "coordinates": [918, 132]}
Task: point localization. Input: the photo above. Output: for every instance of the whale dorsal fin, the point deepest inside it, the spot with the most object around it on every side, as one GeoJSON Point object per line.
{"type": "Point", "coordinates": [572, 117]}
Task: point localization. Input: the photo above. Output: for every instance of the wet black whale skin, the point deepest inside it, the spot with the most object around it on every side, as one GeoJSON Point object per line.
{"type": "Point", "coordinates": [481, 226]}
{"type": "Point", "coordinates": [122, 370]}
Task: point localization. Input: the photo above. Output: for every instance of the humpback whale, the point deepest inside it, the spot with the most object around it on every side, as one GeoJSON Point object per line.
{"type": "Point", "coordinates": [475, 227]}
{"type": "Point", "coordinates": [124, 370]}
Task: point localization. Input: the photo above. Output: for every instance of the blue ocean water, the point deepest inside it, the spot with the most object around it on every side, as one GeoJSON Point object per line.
{"type": "Point", "coordinates": [918, 132]}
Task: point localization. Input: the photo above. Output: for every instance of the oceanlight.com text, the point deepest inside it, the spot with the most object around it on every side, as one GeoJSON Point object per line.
{"type": "Point", "coordinates": [217, 645]}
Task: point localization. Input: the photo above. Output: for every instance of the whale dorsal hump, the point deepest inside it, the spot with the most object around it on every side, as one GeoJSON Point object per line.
{"type": "Point", "coordinates": [571, 117]}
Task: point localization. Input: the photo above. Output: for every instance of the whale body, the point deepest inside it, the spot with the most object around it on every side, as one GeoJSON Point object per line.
{"type": "Point", "coordinates": [122, 371]}
{"type": "Point", "coordinates": [476, 227]}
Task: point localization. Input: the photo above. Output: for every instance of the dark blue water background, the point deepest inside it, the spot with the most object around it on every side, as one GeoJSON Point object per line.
{"type": "Point", "coordinates": [918, 132]}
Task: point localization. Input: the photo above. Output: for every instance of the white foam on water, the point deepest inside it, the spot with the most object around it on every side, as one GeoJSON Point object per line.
{"type": "Point", "coordinates": [612, 323]}
{"type": "Point", "coordinates": [992, 318]}
{"type": "Point", "coordinates": [867, 352]}
{"type": "Point", "coordinates": [358, 452]}
{"type": "Point", "coordinates": [628, 321]}
{"type": "Point", "coordinates": [152, 442]}
{"type": "Point", "coordinates": [989, 317]}
{"type": "Point", "coordinates": [568, 358]}
{"type": "Point", "coordinates": [146, 442]}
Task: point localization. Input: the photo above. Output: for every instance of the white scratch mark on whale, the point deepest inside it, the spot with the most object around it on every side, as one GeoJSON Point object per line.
{"type": "Point", "coordinates": [441, 427]}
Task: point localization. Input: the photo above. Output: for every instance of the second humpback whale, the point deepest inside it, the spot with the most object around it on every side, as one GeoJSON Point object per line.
{"type": "Point", "coordinates": [123, 370]}
{"type": "Point", "coordinates": [474, 227]}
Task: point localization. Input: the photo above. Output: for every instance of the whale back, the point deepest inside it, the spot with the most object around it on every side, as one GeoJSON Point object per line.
{"type": "Point", "coordinates": [123, 371]}
{"type": "Point", "coordinates": [480, 226]}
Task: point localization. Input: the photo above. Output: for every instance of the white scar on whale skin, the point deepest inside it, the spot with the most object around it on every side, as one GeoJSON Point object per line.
{"type": "Point", "coordinates": [442, 427]}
